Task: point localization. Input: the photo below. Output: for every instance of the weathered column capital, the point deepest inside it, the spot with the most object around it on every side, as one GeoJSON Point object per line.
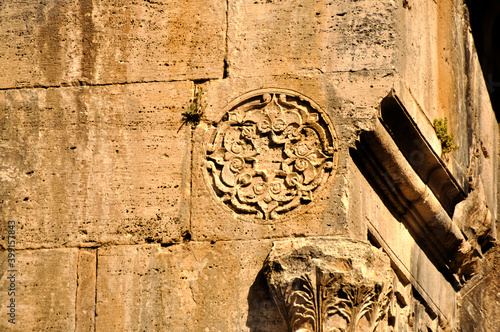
{"type": "Point", "coordinates": [329, 284]}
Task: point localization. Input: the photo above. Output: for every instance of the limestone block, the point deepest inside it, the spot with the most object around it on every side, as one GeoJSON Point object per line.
{"type": "Point", "coordinates": [158, 40]}
{"type": "Point", "coordinates": [487, 138]}
{"type": "Point", "coordinates": [309, 37]}
{"type": "Point", "coordinates": [366, 204]}
{"type": "Point", "coordinates": [95, 164]}
{"type": "Point", "coordinates": [220, 278]}
{"type": "Point", "coordinates": [64, 42]}
{"type": "Point", "coordinates": [86, 290]}
{"type": "Point", "coordinates": [438, 291]}
{"type": "Point", "coordinates": [267, 191]}
{"type": "Point", "coordinates": [439, 66]}
{"type": "Point", "coordinates": [417, 61]}
{"type": "Point", "coordinates": [42, 42]}
{"type": "Point", "coordinates": [213, 219]}
{"type": "Point", "coordinates": [128, 289]}
{"type": "Point", "coordinates": [197, 286]}
{"type": "Point", "coordinates": [45, 288]}
{"type": "Point", "coordinates": [417, 114]}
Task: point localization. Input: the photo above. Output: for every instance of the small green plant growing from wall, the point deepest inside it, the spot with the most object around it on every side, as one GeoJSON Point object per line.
{"type": "Point", "coordinates": [195, 110]}
{"type": "Point", "coordinates": [441, 128]}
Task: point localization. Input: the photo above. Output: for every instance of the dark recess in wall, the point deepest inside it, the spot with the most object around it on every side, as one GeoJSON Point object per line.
{"type": "Point", "coordinates": [485, 24]}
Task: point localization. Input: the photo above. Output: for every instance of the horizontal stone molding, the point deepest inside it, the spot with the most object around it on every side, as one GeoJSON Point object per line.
{"type": "Point", "coordinates": [419, 153]}
{"type": "Point", "coordinates": [413, 202]}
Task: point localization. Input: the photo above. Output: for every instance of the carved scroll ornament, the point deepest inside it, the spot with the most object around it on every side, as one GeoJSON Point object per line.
{"type": "Point", "coordinates": [271, 153]}
{"type": "Point", "coordinates": [317, 292]}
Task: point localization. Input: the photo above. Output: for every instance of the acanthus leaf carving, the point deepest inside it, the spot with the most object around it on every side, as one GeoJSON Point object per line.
{"type": "Point", "coordinates": [319, 294]}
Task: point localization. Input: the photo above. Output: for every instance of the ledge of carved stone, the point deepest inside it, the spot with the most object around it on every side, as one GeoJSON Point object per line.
{"type": "Point", "coordinates": [420, 154]}
{"type": "Point", "coordinates": [330, 284]}
{"type": "Point", "coordinates": [475, 219]}
{"type": "Point", "coordinates": [414, 203]}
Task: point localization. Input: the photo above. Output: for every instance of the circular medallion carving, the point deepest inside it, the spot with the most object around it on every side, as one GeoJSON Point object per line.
{"type": "Point", "coordinates": [271, 153]}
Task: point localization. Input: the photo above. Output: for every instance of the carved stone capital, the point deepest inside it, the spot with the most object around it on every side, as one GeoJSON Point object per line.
{"type": "Point", "coordinates": [336, 284]}
{"type": "Point", "coordinates": [271, 153]}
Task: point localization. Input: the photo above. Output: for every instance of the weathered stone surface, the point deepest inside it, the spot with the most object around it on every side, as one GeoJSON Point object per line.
{"type": "Point", "coordinates": [186, 287]}
{"type": "Point", "coordinates": [93, 157]}
{"type": "Point", "coordinates": [42, 42]}
{"type": "Point", "coordinates": [408, 259]}
{"type": "Point", "coordinates": [45, 288]}
{"type": "Point", "coordinates": [441, 74]}
{"type": "Point", "coordinates": [95, 164]}
{"type": "Point", "coordinates": [485, 162]}
{"type": "Point", "coordinates": [65, 42]}
{"type": "Point", "coordinates": [309, 37]}
{"type": "Point", "coordinates": [211, 219]}
{"type": "Point", "coordinates": [128, 289]}
{"type": "Point", "coordinates": [271, 154]}
{"type": "Point", "coordinates": [475, 219]}
{"type": "Point", "coordinates": [431, 51]}
{"type": "Point", "coordinates": [482, 133]}
{"type": "Point", "coordinates": [479, 306]}
{"type": "Point", "coordinates": [86, 290]}
{"type": "Point", "coordinates": [159, 40]}
{"type": "Point", "coordinates": [323, 284]}
{"type": "Point", "coordinates": [418, 116]}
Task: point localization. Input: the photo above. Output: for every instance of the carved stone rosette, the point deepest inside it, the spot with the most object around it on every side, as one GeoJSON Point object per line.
{"type": "Point", "coordinates": [270, 153]}
{"type": "Point", "coordinates": [323, 285]}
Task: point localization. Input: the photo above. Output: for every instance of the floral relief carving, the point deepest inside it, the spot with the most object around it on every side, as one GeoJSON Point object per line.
{"type": "Point", "coordinates": [271, 153]}
{"type": "Point", "coordinates": [326, 294]}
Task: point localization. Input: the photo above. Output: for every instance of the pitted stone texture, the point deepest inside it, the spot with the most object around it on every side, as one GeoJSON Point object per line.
{"type": "Point", "coordinates": [95, 164]}
{"type": "Point", "coordinates": [41, 42]}
{"type": "Point", "coordinates": [309, 37]}
{"type": "Point", "coordinates": [159, 40]}
{"type": "Point", "coordinates": [128, 289]}
{"type": "Point", "coordinates": [86, 290]}
{"type": "Point", "coordinates": [46, 284]}
{"type": "Point", "coordinates": [64, 42]}
{"type": "Point", "coordinates": [186, 287]}
{"type": "Point", "coordinates": [271, 153]}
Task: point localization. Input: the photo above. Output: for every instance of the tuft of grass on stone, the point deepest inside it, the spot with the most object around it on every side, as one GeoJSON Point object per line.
{"type": "Point", "coordinates": [195, 110]}
{"type": "Point", "coordinates": [441, 128]}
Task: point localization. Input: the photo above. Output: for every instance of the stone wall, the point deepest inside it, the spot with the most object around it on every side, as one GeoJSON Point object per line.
{"type": "Point", "coordinates": [233, 165]}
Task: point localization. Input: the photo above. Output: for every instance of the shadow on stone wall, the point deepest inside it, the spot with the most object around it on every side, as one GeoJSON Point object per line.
{"type": "Point", "coordinates": [263, 315]}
